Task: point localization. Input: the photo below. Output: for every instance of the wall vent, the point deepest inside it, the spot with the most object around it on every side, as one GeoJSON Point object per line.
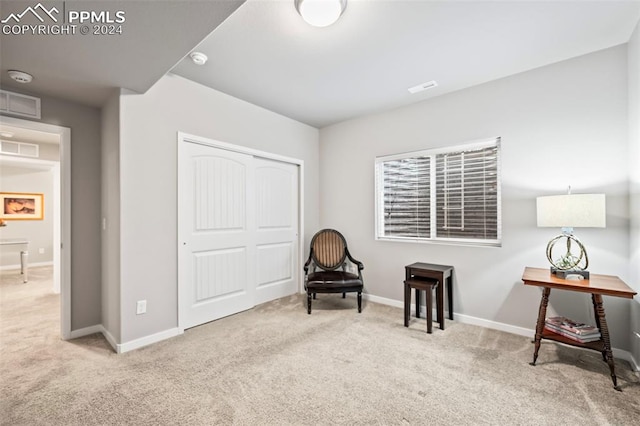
{"type": "Point", "coordinates": [19, 148]}
{"type": "Point", "coordinates": [17, 104]}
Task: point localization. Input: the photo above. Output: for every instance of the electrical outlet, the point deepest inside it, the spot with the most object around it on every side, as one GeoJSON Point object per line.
{"type": "Point", "coordinates": [141, 307]}
{"type": "Point", "coordinates": [41, 250]}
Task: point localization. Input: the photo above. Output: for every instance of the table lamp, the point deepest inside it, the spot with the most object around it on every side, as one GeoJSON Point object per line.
{"type": "Point", "coordinates": [566, 212]}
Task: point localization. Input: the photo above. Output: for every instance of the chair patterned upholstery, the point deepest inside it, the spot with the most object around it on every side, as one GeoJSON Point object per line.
{"type": "Point", "coordinates": [328, 248]}
{"type": "Point", "coordinates": [326, 270]}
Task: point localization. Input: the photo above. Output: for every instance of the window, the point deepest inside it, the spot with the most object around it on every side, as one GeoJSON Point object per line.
{"type": "Point", "coordinates": [445, 195]}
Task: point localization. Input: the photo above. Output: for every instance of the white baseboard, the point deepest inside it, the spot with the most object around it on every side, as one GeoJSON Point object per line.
{"type": "Point", "coordinates": [110, 339]}
{"type": "Point", "coordinates": [92, 330]}
{"type": "Point", "coordinates": [148, 340]}
{"type": "Point", "coordinates": [86, 331]}
{"type": "Point", "coordinates": [627, 356]}
{"type": "Point", "coordinates": [128, 346]}
{"type": "Point", "coordinates": [31, 265]}
{"type": "Point", "coordinates": [494, 325]}
{"type": "Point", "coordinates": [520, 331]}
{"type": "Point", "coordinates": [381, 300]}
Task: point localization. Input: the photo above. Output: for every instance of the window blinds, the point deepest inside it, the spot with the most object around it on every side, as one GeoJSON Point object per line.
{"type": "Point", "coordinates": [444, 194]}
{"type": "Point", "coordinates": [407, 197]}
{"type": "Point", "coordinates": [467, 194]}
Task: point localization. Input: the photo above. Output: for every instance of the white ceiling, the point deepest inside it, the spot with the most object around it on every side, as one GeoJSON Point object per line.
{"type": "Point", "coordinates": [265, 54]}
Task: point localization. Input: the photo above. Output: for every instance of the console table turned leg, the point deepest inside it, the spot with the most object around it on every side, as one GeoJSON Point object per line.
{"type": "Point", "coordinates": [542, 313]}
{"type": "Point", "coordinates": [604, 332]}
{"type": "Point", "coordinates": [595, 311]}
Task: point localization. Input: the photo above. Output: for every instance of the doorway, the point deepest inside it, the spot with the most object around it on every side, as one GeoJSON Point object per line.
{"type": "Point", "coordinates": [61, 200]}
{"type": "Point", "coordinates": [239, 221]}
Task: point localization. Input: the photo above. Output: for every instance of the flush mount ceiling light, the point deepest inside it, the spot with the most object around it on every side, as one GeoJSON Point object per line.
{"type": "Point", "coordinates": [20, 76]}
{"type": "Point", "coordinates": [6, 134]}
{"type": "Point", "coordinates": [320, 13]}
{"type": "Point", "coordinates": [199, 58]}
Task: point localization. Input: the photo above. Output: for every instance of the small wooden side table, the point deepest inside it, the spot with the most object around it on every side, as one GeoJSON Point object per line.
{"type": "Point", "coordinates": [597, 285]}
{"type": "Point", "coordinates": [441, 273]}
{"type": "Point", "coordinates": [419, 285]}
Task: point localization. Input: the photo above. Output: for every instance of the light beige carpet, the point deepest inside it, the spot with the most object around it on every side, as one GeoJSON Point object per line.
{"type": "Point", "coordinates": [277, 365]}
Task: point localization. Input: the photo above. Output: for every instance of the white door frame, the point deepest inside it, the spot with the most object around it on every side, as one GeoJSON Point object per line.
{"type": "Point", "coordinates": [186, 137]}
{"type": "Point", "coordinates": [61, 227]}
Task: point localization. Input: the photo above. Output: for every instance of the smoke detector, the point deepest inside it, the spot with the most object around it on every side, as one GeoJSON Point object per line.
{"type": "Point", "coordinates": [199, 58]}
{"type": "Point", "coordinates": [20, 76]}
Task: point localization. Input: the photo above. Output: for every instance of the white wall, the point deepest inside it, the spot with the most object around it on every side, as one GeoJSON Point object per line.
{"type": "Point", "coordinates": [563, 124]}
{"type": "Point", "coordinates": [634, 187]}
{"type": "Point", "coordinates": [110, 190]}
{"type": "Point", "coordinates": [38, 232]}
{"type": "Point", "coordinates": [148, 178]}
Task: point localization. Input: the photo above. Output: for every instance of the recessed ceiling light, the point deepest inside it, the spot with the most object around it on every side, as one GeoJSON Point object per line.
{"type": "Point", "coordinates": [424, 86]}
{"type": "Point", "coordinates": [199, 58]}
{"type": "Point", "coordinates": [20, 76]}
{"type": "Point", "coordinates": [6, 134]}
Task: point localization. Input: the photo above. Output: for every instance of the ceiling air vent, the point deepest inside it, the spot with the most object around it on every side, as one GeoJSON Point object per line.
{"type": "Point", "coordinates": [424, 86]}
{"type": "Point", "coordinates": [17, 104]}
{"type": "Point", "coordinates": [19, 148]}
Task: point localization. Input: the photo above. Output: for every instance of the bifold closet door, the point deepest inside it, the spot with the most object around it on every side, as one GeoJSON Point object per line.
{"type": "Point", "coordinates": [238, 222]}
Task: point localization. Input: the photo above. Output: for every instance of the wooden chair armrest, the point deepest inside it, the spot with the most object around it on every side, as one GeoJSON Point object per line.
{"type": "Point", "coordinates": [308, 262]}
{"type": "Point", "coordinates": [354, 261]}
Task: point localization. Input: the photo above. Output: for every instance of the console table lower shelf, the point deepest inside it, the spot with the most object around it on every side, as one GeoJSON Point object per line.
{"type": "Point", "coordinates": [597, 285]}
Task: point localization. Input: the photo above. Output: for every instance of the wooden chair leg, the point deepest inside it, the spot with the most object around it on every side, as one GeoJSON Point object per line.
{"type": "Point", "coordinates": [359, 302]}
{"type": "Point", "coordinates": [314, 295]}
{"type": "Point", "coordinates": [309, 303]}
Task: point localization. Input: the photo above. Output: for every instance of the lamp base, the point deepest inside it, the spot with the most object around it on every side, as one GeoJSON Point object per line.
{"type": "Point", "coordinates": [562, 273]}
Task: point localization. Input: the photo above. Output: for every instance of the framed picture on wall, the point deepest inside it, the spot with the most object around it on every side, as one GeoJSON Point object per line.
{"type": "Point", "coordinates": [21, 206]}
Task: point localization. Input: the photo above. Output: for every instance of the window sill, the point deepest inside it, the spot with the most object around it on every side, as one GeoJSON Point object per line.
{"type": "Point", "coordinates": [442, 241]}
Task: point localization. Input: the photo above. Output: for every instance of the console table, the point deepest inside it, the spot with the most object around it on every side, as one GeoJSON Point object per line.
{"type": "Point", "coordinates": [24, 254]}
{"type": "Point", "coordinates": [441, 273]}
{"type": "Point", "coordinates": [597, 285]}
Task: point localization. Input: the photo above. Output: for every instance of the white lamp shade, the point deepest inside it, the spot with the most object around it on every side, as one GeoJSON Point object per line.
{"type": "Point", "coordinates": [320, 13]}
{"type": "Point", "coordinates": [572, 211]}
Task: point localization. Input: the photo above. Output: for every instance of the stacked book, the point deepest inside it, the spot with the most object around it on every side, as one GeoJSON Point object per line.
{"type": "Point", "coordinates": [573, 330]}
